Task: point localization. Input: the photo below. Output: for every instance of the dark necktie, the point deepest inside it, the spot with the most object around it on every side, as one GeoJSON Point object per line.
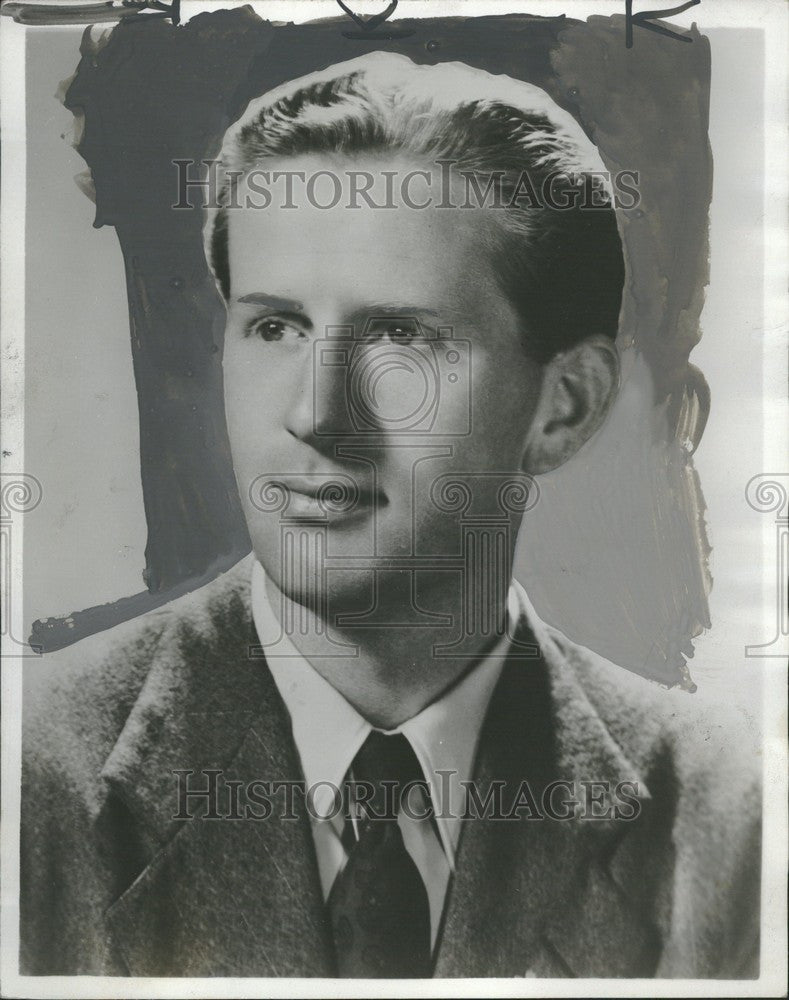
{"type": "Point", "coordinates": [378, 904]}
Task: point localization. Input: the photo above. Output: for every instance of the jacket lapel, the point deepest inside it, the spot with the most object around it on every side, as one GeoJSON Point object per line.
{"type": "Point", "coordinates": [234, 897]}
{"type": "Point", "coordinates": [242, 897]}
{"type": "Point", "coordinates": [540, 897]}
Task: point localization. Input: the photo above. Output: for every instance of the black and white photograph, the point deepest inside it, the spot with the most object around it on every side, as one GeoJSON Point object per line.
{"type": "Point", "coordinates": [395, 503]}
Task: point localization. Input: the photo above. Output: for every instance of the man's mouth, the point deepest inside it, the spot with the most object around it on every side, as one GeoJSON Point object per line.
{"type": "Point", "coordinates": [327, 497]}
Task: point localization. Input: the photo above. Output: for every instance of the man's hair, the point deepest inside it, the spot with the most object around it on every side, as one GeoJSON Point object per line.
{"type": "Point", "coordinates": [562, 269]}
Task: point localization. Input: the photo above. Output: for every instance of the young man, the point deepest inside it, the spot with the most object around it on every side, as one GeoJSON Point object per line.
{"type": "Point", "coordinates": [360, 753]}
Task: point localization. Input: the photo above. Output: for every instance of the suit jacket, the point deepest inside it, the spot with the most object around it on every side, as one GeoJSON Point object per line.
{"type": "Point", "coordinates": [112, 884]}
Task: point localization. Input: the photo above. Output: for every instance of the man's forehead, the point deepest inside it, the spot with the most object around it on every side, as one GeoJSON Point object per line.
{"type": "Point", "coordinates": [386, 255]}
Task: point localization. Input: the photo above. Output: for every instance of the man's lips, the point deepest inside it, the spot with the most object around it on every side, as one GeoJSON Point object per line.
{"type": "Point", "coordinates": [336, 494]}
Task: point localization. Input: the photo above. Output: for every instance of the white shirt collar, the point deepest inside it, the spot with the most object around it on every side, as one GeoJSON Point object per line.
{"type": "Point", "coordinates": [328, 731]}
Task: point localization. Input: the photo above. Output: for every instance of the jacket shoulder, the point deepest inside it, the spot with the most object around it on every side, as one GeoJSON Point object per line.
{"type": "Point", "coordinates": [701, 764]}
{"type": "Point", "coordinates": [81, 845]}
{"type": "Point", "coordinates": [705, 741]}
{"type": "Point", "coordinates": [76, 700]}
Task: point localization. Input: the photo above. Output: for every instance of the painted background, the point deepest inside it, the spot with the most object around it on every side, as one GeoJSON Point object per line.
{"type": "Point", "coordinates": [596, 559]}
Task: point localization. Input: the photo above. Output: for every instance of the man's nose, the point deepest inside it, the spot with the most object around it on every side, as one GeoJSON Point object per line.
{"type": "Point", "coordinates": [319, 405]}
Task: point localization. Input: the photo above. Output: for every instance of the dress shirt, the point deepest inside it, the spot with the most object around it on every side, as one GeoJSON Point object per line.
{"type": "Point", "coordinates": [328, 731]}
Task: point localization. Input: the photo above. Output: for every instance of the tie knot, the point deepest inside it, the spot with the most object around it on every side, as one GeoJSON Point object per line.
{"type": "Point", "coordinates": [386, 759]}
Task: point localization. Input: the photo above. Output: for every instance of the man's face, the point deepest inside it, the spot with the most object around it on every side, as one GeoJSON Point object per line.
{"type": "Point", "coordinates": [371, 348]}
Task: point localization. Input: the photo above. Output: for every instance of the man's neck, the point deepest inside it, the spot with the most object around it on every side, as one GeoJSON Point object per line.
{"type": "Point", "coordinates": [388, 671]}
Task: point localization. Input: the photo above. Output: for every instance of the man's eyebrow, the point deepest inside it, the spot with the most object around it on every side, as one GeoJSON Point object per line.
{"type": "Point", "coordinates": [447, 315]}
{"type": "Point", "coordinates": [272, 301]}
{"type": "Point", "coordinates": [400, 310]}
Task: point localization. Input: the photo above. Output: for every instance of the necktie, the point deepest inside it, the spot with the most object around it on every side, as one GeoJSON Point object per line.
{"type": "Point", "coordinates": [378, 904]}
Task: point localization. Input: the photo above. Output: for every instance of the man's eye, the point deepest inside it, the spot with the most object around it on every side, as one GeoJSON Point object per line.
{"type": "Point", "coordinates": [273, 330]}
{"type": "Point", "coordinates": [399, 331]}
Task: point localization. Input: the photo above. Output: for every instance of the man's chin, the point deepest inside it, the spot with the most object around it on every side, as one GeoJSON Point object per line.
{"type": "Point", "coordinates": [310, 583]}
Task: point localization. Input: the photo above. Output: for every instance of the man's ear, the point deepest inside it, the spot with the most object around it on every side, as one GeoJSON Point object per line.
{"type": "Point", "coordinates": [578, 387]}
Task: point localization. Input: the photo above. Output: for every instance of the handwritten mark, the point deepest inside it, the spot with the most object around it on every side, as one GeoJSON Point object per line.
{"type": "Point", "coordinates": [369, 24]}
{"type": "Point", "coordinates": [644, 19]}
{"type": "Point", "coordinates": [92, 13]}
